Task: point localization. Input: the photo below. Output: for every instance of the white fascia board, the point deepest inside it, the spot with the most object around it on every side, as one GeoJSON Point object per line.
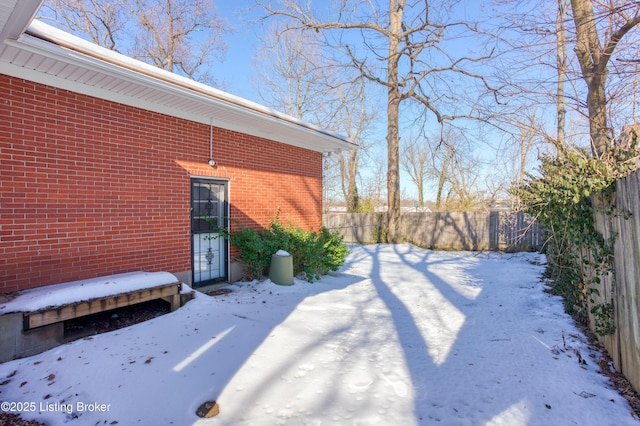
{"type": "Point", "coordinates": [122, 67]}
{"type": "Point", "coordinates": [22, 13]}
{"type": "Point", "coordinates": [97, 92]}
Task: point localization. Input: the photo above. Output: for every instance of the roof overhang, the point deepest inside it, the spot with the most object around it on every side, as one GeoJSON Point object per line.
{"type": "Point", "coordinates": [15, 19]}
{"type": "Point", "coordinates": [38, 52]}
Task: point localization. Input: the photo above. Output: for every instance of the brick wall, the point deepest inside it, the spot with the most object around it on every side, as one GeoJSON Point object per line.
{"type": "Point", "coordinates": [90, 187]}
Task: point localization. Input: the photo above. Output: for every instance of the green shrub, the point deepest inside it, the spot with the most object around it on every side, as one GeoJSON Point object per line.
{"type": "Point", "coordinates": [314, 253]}
{"type": "Point", "coordinates": [255, 251]}
{"type": "Point", "coordinates": [334, 251]}
{"type": "Point", "coordinates": [559, 198]}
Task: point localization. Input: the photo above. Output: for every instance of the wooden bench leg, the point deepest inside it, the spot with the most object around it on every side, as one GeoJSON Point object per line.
{"type": "Point", "coordinates": [174, 301]}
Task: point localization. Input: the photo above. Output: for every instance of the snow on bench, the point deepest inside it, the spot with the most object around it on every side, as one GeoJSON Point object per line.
{"type": "Point", "coordinates": [59, 302]}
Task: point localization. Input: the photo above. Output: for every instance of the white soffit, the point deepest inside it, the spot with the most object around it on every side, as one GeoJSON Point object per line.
{"type": "Point", "coordinates": [51, 56]}
{"type": "Point", "coordinates": [15, 16]}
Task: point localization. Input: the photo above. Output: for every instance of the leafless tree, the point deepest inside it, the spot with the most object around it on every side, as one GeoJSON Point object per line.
{"type": "Point", "coordinates": [463, 194]}
{"type": "Point", "coordinates": [290, 76]}
{"type": "Point", "coordinates": [441, 166]}
{"type": "Point", "coordinates": [102, 22]}
{"type": "Point", "coordinates": [532, 64]}
{"type": "Point", "coordinates": [585, 45]}
{"type": "Point", "coordinates": [181, 36]}
{"type": "Point", "coordinates": [355, 122]}
{"type": "Point", "coordinates": [375, 182]}
{"type": "Point", "coordinates": [400, 48]}
{"type": "Point", "coordinates": [415, 159]}
{"type": "Point", "coordinates": [331, 182]}
{"type": "Point", "coordinates": [600, 27]}
{"type": "Point", "coordinates": [452, 165]}
{"type": "Point", "coordinates": [527, 138]}
{"type": "Point", "coordinates": [561, 65]}
{"type": "Point", "coordinates": [459, 172]}
{"type": "Point", "coordinates": [299, 78]}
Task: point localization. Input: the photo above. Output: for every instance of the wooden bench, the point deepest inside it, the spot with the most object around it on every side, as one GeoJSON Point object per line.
{"type": "Point", "coordinates": [32, 321]}
{"type": "Point", "coordinates": [51, 315]}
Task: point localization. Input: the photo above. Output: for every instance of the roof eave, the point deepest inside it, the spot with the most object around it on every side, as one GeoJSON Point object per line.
{"type": "Point", "coordinates": [252, 118]}
{"type": "Point", "coordinates": [19, 17]}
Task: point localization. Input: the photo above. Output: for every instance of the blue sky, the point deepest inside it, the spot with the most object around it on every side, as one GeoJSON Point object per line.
{"type": "Point", "coordinates": [237, 71]}
{"type": "Point", "coordinates": [238, 76]}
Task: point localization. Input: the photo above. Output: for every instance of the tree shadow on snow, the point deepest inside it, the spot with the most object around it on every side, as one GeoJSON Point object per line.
{"type": "Point", "coordinates": [438, 330]}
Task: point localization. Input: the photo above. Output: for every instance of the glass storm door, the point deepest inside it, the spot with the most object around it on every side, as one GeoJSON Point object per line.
{"type": "Point", "coordinates": [209, 248]}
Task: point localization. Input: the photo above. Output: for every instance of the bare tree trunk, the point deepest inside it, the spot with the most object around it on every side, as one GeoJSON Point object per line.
{"type": "Point", "coordinates": [351, 196]}
{"type": "Point", "coordinates": [419, 79]}
{"type": "Point", "coordinates": [393, 113]}
{"type": "Point", "coordinates": [601, 134]}
{"type": "Point", "coordinates": [348, 173]}
{"type": "Point", "coordinates": [523, 164]}
{"type": "Point", "coordinates": [441, 182]}
{"type": "Point", "coordinates": [594, 59]}
{"type": "Point", "coordinates": [561, 62]}
{"type": "Point", "coordinates": [588, 51]}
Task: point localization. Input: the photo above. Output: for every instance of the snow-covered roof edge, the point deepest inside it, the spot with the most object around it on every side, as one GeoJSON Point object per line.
{"type": "Point", "coordinates": [64, 39]}
{"type": "Point", "coordinates": [226, 111]}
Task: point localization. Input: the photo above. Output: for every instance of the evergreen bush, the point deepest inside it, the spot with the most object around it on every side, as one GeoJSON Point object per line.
{"type": "Point", "coordinates": [314, 253]}
{"type": "Point", "coordinates": [559, 198]}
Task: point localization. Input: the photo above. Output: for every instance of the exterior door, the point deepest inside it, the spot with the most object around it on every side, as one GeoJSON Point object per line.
{"type": "Point", "coordinates": [209, 248]}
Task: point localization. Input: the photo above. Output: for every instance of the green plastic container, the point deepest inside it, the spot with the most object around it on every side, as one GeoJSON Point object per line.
{"type": "Point", "coordinates": [281, 269]}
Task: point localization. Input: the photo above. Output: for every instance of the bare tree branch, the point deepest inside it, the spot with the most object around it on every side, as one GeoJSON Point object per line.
{"type": "Point", "coordinates": [180, 36]}
{"type": "Point", "coordinates": [396, 51]}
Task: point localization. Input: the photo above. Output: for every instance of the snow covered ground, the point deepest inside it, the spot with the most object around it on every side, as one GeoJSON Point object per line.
{"type": "Point", "coordinates": [401, 336]}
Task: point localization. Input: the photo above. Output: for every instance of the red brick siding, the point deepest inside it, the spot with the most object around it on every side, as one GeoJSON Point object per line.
{"type": "Point", "coordinates": [90, 187]}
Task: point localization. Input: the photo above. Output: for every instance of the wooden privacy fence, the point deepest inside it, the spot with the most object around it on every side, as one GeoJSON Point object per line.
{"type": "Point", "coordinates": [623, 287]}
{"type": "Point", "coordinates": [504, 231]}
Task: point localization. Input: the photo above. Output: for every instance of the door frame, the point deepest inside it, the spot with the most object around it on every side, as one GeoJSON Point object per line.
{"type": "Point", "coordinates": [225, 211]}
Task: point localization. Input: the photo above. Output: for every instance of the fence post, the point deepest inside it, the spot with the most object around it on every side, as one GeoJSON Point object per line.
{"type": "Point", "coordinates": [494, 231]}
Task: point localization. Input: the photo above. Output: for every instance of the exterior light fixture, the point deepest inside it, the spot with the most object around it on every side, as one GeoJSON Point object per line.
{"type": "Point", "coordinates": [211, 162]}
